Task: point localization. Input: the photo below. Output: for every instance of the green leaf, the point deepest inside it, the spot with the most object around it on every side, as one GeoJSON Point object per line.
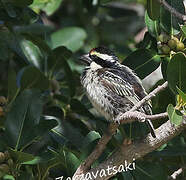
{"type": "Point", "coordinates": [30, 77]}
{"type": "Point", "coordinates": [54, 111]}
{"type": "Point", "coordinates": [152, 25]}
{"type": "Point", "coordinates": [70, 133]}
{"type": "Point", "coordinates": [143, 62]}
{"type": "Point", "coordinates": [12, 41]}
{"type": "Point", "coordinates": [28, 16]}
{"type": "Point", "coordinates": [57, 57]}
{"type": "Point", "coordinates": [176, 72]}
{"type": "Point", "coordinates": [8, 177]}
{"type": "Point", "coordinates": [39, 42]}
{"type": "Point", "coordinates": [12, 85]}
{"type": "Point", "coordinates": [175, 116]}
{"type": "Point", "coordinates": [164, 65]}
{"type": "Point", "coordinates": [44, 126]}
{"type": "Point", "coordinates": [168, 21]}
{"type": "Point", "coordinates": [153, 9]}
{"type": "Point", "coordinates": [22, 157]}
{"type": "Point", "coordinates": [25, 175]}
{"type": "Point", "coordinates": [47, 6]}
{"type": "Point", "coordinates": [70, 37]}
{"type": "Point", "coordinates": [182, 94]}
{"type": "Point", "coordinates": [79, 108]}
{"type": "Point", "coordinates": [90, 137]}
{"type": "Point", "coordinates": [25, 113]}
{"type": "Point", "coordinates": [32, 53]}
{"type": "Point", "coordinates": [162, 99]}
{"type": "Point", "coordinates": [72, 162]}
{"type": "Point", "coordinates": [183, 29]}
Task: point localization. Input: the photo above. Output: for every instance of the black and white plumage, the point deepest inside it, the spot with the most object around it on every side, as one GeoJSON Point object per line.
{"type": "Point", "coordinates": [112, 87]}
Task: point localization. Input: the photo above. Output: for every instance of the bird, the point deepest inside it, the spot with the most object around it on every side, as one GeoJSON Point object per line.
{"type": "Point", "coordinates": [111, 87]}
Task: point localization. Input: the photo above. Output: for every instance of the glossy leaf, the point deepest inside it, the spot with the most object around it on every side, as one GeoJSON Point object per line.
{"type": "Point", "coordinates": [152, 25]}
{"type": "Point", "coordinates": [175, 116]}
{"type": "Point", "coordinates": [57, 58]}
{"type": "Point", "coordinates": [143, 62]}
{"type": "Point", "coordinates": [32, 53]}
{"type": "Point", "coordinates": [79, 108]}
{"type": "Point", "coordinates": [176, 72]}
{"type": "Point", "coordinates": [70, 37]}
{"type": "Point", "coordinates": [49, 7]}
{"type": "Point", "coordinates": [153, 9]}
{"type": "Point", "coordinates": [28, 16]}
{"type": "Point", "coordinates": [39, 42]}
{"type": "Point", "coordinates": [183, 29]}
{"type": "Point", "coordinates": [58, 138]}
{"type": "Point", "coordinates": [45, 125]}
{"type": "Point", "coordinates": [12, 42]}
{"type": "Point", "coordinates": [72, 162]}
{"type": "Point", "coordinates": [54, 111]}
{"type": "Point", "coordinates": [168, 21]}
{"type": "Point", "coordinates": [31, 77]}
{"type": "Point", "coordinates": [164, 64]}
{"type": "Point", "coordinates": [162, 99]}
{"type": "Point", "coordinates": [72, 134]}
{"type": "Point", "coordinates": [25, 113]}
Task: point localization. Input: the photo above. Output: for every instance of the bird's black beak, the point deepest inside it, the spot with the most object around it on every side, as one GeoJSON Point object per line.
{"type": "Point", "coordinates": [85, 59]}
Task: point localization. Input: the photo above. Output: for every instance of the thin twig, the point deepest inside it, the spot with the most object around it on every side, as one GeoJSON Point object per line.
{"type": "Point", "coordinates": [172, 10]}
{"type": "Point", "coordinates": [108, 135]}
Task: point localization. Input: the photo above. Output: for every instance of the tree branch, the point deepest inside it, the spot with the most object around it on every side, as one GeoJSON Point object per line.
{"type": "Point", "coordinates": [138, 149]}
{"type": "Point", "coordinates": [172, 10]}
{"type": "Point", "coordinates": [129, 117]}
{"type": "Point", "coordinates": [111, 130]}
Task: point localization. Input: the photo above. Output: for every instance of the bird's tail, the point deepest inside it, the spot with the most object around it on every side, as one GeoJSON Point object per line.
{"type": "Point", "coordinates": [150, 126]}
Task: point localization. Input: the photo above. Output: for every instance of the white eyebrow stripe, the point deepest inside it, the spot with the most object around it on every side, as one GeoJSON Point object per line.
{"type": "Point", "coordinates": [103, 56]}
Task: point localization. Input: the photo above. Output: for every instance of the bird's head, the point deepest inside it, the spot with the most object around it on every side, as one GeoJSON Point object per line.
{"type": "Point", "coordinates": [100, 56]}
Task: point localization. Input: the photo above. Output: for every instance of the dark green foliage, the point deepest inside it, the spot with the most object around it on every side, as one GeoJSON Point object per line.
{"type": "Point", "coordinates": [47, 124]}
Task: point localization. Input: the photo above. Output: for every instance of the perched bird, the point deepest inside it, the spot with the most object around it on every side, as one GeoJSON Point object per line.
{"type": "Point", "coordinates": [112, 87]}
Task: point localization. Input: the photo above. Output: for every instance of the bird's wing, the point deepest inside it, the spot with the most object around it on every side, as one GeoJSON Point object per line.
{"type": "Point", "coordinates": [124, 90]}
{"type": "Point", "coordinates": [118, 86]}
